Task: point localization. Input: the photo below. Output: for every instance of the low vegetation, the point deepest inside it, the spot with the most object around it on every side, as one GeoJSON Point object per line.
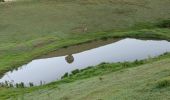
{"type": "Point", "coordinates": [164, 24]}
{"type": "Point", "coordinates": [2, 1]}
{"type": "Point", "coordinates": [32, 28]}
{"type": "Point", "coordinates": [78, 75]}
{"type": "Point", "coordinates": [163, 83]}
{"type": "Point", "coordinates": [140, 79]}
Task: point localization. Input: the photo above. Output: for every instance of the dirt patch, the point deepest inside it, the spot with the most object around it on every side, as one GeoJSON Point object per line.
{"type": "Point", "coordinates": [79, 48]}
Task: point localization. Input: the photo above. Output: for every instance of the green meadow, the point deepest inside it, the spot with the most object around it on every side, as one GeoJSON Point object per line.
{"type": "Point", "coordinates": [31, 28]}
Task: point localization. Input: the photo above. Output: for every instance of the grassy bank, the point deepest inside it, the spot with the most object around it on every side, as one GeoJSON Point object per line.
{"type": "Point", "coordinates": [31, 28]}
{"type": "Point", "coordinates": [146, 82]}
{"type": "Point", "coordinates": [25, 52]}
{"type": "Point", "coordinates": [83, 77]}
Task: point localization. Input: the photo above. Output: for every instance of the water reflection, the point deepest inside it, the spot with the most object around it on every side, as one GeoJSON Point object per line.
{"type": "Point", "coordinates": [69, 59]}
{"type": "Point", "coordinates": [51, 69]}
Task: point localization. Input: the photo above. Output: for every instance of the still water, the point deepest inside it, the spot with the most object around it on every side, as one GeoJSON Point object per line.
{"type": "Point", "coordinates": [47, 70]}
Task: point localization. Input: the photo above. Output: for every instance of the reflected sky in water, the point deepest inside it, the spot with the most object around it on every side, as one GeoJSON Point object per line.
{"type": "Point", "coordinates": [51, 69]}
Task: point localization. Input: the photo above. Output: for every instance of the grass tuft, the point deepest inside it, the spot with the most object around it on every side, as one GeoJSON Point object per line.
{"type": "Point", "coordinates": [163, 83]}
{"type": "Point", "coordinates": [164, 24]}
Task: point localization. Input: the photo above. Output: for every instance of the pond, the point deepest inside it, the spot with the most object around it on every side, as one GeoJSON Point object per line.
{"type": "Point", "coordinates": [46, 70]}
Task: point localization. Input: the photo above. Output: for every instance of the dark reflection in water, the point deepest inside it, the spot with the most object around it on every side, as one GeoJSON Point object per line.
{"type": "Point", "coordinates": [51, 69]}
{"type": "Point", "coordinates": [69, 59]}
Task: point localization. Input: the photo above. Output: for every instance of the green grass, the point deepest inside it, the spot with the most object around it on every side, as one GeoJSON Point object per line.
{"type": "Point", "coordinates": [85, 74]}
{"type": "Point", "coordinates": [163, 83]}
{"type": "Point", "coordinates": [147, 79]}
{"type": "Point", "coordinates": [32, 28]}
{"type": "Point", "coordinates": [25, 52]}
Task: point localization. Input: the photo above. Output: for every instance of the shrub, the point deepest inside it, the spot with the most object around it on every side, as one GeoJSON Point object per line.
{"type": "Point", "coordinates": [31, 84]}
{"type": "Point", "coordinates": [138, 62]}
{"type": "Point", "coordinates": [65, 75]}
{"type": "Point", "coordinates": [11, 85]}
{"type": "Point", "coordinates": [86, 68]}
{"type": "Point", "coordinates": [75, 71]}
{"type": "Point", "coordinates": [104, 38]}
{"type": "Point", "coordinates": [20, 85]}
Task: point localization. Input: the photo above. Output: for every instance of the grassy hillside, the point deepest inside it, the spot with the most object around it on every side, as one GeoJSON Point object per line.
{"type": "Point", "coordinates": [146, 82]}
{"type": "Point", "coordinates": [31, 28]}
{"type": "Point", "coordinates": [88, 74]}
